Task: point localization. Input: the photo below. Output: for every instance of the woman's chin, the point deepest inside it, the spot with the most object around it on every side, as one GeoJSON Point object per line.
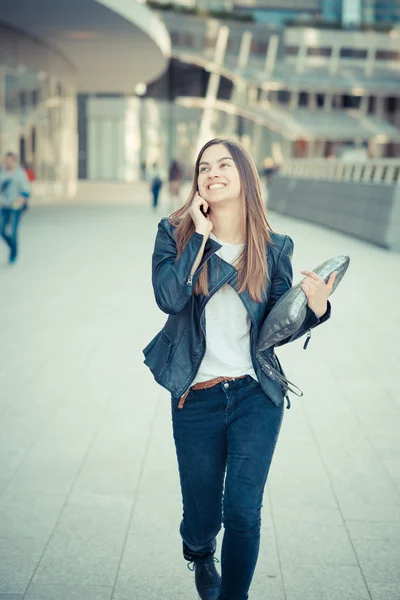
{"type": "Point", "coordinates": [215, 198]}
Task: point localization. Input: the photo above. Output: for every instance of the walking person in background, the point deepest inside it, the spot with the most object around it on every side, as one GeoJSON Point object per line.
{"type": "Point", "coordinates": [155, 184]}
{"type": "Point", "coordinates": [31, 175]}
{"type": "Point", "coordinates": [14, 194]}
{"type": "Point", "coordinates": [175, 179]}
{"type": "Point", "coordinates": [270, 168]}
{"type": "Point", "coordinates": [30, 172]}
{"type": "Point", "coordinates": [218, 270]}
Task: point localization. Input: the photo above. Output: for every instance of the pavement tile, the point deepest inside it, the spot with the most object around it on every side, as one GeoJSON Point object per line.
{"type": "Point", "coordinates": [19, 557]}
{"type": "Point", "coordinates": [354, 510]}
{"type": "Point", "coordinates": [324, 583]}
{"type": "Point", "coordinates": [374, 530]}
{"type": "Point", "coordinates": [68, 592]}
{"type": "Point", "coordinates": [30, 516]}
{"type": "Point", "coordinates": [314, 544]}
{"type": "Point", "coordinates": [379, 559]}
{"type": "Point", "coordinates": [300, 492]}
{"type": "Point", "coordinates": [384, 591]}
{"type": "Point", "coordinates": [94, 522]}
{"type": "Point", "coordinates": [153, 567]}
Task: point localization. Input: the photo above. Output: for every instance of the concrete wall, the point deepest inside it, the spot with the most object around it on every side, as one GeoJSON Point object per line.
{"type": "Point", "coordinates": [370, 212]}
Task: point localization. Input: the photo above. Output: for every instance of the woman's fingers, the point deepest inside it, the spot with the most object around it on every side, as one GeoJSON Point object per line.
{"type": "Point", "coordinates": [312, 275]}
{"type": "Point", "coordinates": [199, 201]}
{"type": "Point", "coordinates": [331, 281]}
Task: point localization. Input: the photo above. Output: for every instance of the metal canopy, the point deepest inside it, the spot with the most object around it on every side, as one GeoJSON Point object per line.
{"type": "Point", "coordinates": [308, 124]}
{"type": "Point", "coordinates": [111, 44]}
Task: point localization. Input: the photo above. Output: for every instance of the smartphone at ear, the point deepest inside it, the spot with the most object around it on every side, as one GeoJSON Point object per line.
{"type": "Point", "coordinates": [204, 210]}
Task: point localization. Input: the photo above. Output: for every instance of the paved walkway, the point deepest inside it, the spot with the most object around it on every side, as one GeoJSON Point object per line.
{"type": "Point", "coordinates": [89, 493]}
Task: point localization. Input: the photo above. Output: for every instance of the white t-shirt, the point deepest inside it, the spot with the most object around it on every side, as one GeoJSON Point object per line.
{"type": "Point", "coordinates": [227, 329]}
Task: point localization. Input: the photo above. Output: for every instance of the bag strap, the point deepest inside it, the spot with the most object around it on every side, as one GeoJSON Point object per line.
{"type": "Point", "coordinates": [277, 376]}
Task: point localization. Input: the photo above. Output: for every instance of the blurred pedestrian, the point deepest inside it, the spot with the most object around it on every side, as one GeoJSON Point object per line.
{"type": "Point", "coordinates": [156, 183]}
{"type": "Point", "coordinates": [270, 168]}
{"type": "Point", "coordinates": [143, 174]}
{"type": "Point", "coordinates": [30, 172]}
{"type": "Point", "coordinates": [212, 277]}
{"type": "Point", "coordinates": [14, 194]}
{"type": "Point", "coordinates": [31, 175]}
{"type": "Point", "coordinates": [175, 179]}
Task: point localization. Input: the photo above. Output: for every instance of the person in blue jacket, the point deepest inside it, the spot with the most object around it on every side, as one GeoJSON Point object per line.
{"type": "Point", "coordinates": [14, 194]}
{"type": "Point", "coordinates": [218, 269]}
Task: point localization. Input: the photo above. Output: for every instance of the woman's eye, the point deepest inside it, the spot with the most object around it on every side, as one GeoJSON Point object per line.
{"type": "Point", "coordinates": [225, 165]}
{"type": "Point", "coordinates": [202, 169]}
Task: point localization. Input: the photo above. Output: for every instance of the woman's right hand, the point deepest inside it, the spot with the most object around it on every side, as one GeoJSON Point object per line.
{"type": "Point", "coordinates": [202, 223]}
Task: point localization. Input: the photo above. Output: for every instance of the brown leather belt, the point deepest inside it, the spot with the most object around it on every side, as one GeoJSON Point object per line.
{"type": "Point", "coordinates": [204, 385]}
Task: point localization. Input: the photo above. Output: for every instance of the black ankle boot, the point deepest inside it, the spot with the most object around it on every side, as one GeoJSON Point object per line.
{"type": "Point", "coordinates": [207, 578]}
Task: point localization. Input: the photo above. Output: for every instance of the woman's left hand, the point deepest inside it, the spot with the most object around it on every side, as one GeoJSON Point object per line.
{"type": "Point", "coordinates": [317, 291]}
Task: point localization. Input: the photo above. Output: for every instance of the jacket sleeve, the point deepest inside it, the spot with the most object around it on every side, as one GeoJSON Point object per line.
{"type": "Point", "coordinates": [170, 277]}
{"type": "Point", "coordinates": [281, 282]}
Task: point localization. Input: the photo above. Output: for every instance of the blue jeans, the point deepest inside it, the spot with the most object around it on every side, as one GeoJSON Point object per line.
{"type": "Point", "coordinates": [156, 192]}
{"type": "Point", "coordinates": [227, 432]}
{"type": "Point", "coordinates": [10, 217]}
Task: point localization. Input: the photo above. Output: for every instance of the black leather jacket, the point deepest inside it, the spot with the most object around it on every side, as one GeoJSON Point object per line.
{"type": "Point", "coordinates": [175, 354]}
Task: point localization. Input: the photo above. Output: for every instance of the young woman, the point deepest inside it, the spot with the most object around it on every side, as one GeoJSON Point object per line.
{"type": "Point", "coordinates": [218, 269]}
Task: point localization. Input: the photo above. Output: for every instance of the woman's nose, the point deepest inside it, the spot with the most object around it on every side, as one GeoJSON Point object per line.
{"type": "Point", "coordinates": [213, 172]}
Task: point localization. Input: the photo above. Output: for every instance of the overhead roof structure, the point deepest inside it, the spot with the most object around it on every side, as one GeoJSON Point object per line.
{"type": "Point", "coordinates": [305, 123]}
{"type": "Point", "coordinates": [111, 44]}
{"type": "Point", "coordinates": [285, 75]}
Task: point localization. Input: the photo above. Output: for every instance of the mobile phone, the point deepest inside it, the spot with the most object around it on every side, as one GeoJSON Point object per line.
{"type": "Point", "coordinates": [204, 210]}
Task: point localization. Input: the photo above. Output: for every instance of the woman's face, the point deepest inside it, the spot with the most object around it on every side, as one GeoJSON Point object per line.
{"type": "Point", "coordinates": [218, 179]}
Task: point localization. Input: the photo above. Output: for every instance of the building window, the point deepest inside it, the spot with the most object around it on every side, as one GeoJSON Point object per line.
{"type": "Point", "coordinates": [319, 51]}
{"type": "Point", "coordinates": [320, 100]}
{"type": "Point", "coordinates": [303, 98]}
{"type": "Point", "coordinates": [371, 105]}
{"type": "Point", "coordinates": [283, 96]}
{"type": "Point", "coordinates": [387, 55]}
{"type": "Point", "coordinates": [259, 47]}
{"type": "Point", "coordinates": [353, 53]}
{"type": "Point", "coordinates": [390, 104]}
{"type": "Point", "coordinates": [22, 99]}
{"type": "Point", "coordinates": [291, 50]}
{"type": "Point", "coordinates": [181, 39]}
{"type": "Point", "coordinates": [349, 101]}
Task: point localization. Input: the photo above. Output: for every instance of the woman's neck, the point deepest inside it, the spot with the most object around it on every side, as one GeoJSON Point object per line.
{"type": "Point", "coordinates": [227, 224]}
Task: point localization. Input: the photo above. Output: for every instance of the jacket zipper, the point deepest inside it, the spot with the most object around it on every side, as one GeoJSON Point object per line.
{"type": "Point", "coordinates": [251, 349]}
{"type": "Point", "coordinates": [190, 278]}
{"type": "Point", "coordinates": [307, 340]}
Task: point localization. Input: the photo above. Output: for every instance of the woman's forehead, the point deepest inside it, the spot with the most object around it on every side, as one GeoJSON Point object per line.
{"type": "Point", "coordinates": [214, 153]}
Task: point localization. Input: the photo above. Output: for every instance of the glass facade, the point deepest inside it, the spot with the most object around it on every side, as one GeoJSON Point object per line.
{"type": "Point", "coordinates": [38, 111]}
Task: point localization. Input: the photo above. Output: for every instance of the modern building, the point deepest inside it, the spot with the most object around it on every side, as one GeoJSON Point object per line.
{"type": "Point", "coordinates": [50, 51]}
{"type": "Point", "coordinates": [350, 13]}
{"type": "Point", "coordinates": [291, 92]}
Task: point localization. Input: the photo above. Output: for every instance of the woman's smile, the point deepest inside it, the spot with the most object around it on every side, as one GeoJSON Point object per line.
{"type": "Point", "coordinates": [216, 186]}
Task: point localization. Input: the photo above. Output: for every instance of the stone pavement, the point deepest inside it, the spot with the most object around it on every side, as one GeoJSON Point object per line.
{"type": "Point", "coordinates": [89, 492]}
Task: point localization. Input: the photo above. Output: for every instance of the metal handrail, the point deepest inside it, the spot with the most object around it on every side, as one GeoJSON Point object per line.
{"type": "Point", "coordinates": [376, 171]}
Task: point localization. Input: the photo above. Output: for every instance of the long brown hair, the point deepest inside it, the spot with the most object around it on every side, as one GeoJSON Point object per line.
{"type": "Point", "coordinates": [252, 264]}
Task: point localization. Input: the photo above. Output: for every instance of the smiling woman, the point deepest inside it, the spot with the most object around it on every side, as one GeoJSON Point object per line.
{"type": "Point", "coordinates": [227, 182]}
{"type": "Point", "coordinates": [218, 270]}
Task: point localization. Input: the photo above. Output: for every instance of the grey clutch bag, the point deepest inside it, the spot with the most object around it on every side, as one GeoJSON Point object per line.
{"type": "Point", "coordinates": [290, 311]}
{"type": "Point", "coordinates": [288, 315]}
